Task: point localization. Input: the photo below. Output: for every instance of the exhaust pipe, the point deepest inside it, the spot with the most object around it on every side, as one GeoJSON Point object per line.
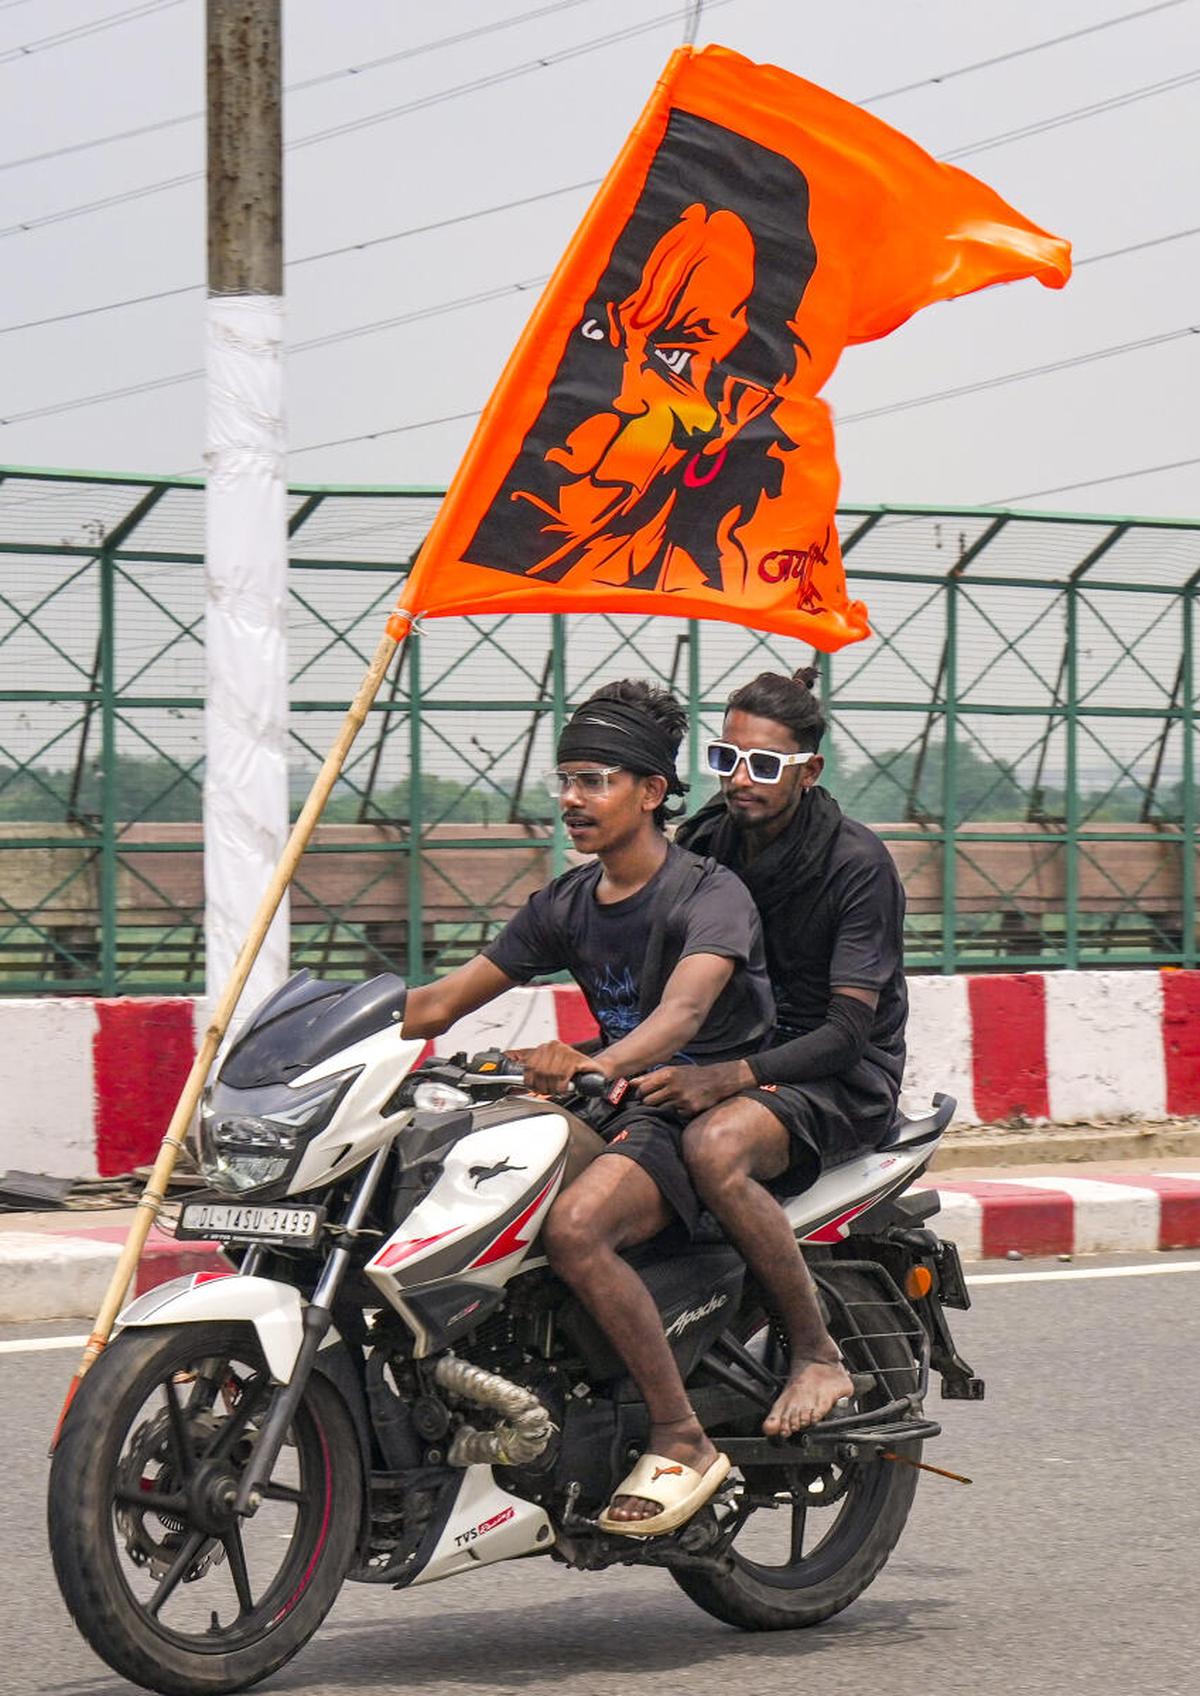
{"type": "Point", "coordinates": [522, 1434]}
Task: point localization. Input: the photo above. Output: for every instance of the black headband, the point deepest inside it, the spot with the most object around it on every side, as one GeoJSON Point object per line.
{"type": "Point", "coordinates": [617, 733]}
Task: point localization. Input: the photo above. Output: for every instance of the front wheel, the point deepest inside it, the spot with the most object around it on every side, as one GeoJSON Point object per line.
{"type": "Point", "coordinates": [167, 1584]}
{"type": "Point", "coordinates": [821, 1533]}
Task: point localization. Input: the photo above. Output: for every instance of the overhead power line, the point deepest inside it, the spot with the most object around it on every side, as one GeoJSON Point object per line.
{"type": "Point", "coordinates": [370, 120]}
{"type": "Point", "coordinates": [320, 81]}
{"type": "Point", "coordinates": [391, 430]}
{"type": "Point", "coordinates": [541, 11]}
{"type": "Point", "coordinates": [176, 378]}
{"type": "Point", "coordinates": [1095, 482]}
{"type": "Point", "coordinates": [1006, 377]}
{"type": "Point", "coordinates": [1021, 52]}
{"type": "Point", "coordinates": [312, 258]}
{"type": "Point", "coordinates": [468, 218]}
{"type": "Point", "coordinates": [1060, 119]}
{"type": "Point", "coordinates": [130, 15]}
{"type": "Point", "coordinates": [1134, 247]}
{"type": "Point", "coordinates": [899, 406]}
{"type": "Point", "coordinates": [502, 291]}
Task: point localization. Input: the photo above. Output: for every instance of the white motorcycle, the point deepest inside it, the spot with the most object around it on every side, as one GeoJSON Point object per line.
{"type": "Point", "coordinates": [394, 1388]}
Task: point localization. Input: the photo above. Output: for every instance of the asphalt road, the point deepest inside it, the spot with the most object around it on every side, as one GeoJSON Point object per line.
{"type": "Point", "coordinates": [1069, 1566]}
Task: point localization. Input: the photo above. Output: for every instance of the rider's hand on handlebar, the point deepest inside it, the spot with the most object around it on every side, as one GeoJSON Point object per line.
{"type": "Point", "coordinates": [688, 1090]}
{"type": "Point", "coordinates": [551, 1066]}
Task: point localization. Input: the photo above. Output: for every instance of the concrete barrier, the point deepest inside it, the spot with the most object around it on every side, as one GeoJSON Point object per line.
{"type": "Point", "coordinates": [87, 1086]}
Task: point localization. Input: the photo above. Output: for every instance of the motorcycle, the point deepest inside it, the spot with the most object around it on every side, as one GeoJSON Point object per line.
{"type": "Point", "coordinates": [393, 1387]}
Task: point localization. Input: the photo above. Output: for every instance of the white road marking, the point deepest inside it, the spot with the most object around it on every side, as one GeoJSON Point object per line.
{"type": "Point", "coordinates": [1083, 1272]}
{"type": "Point", "coordinates": [38, 1345]}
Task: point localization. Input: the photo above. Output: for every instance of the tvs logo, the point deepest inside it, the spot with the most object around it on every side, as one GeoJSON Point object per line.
{"type": "Point", "coordinates": [798, 565]}
{"type": "Point", "coordinates": [482, 1529]}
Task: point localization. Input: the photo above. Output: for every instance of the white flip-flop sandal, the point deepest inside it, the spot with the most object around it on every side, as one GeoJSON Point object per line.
{"type": "Point", "coordinates": [681, 1490]}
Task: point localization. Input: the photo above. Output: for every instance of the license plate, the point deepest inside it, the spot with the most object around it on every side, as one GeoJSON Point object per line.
{"type": "Point", "coordinates": [239, 1222]}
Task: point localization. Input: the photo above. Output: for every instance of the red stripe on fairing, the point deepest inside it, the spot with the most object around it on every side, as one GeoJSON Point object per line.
{"type": "Point", "coordinates": [573, 1016]}
{"type": "Point", "coordinates": [142, 1052]}
{"type": "Point", "coordinates": [1008, 1046]}
{"type": "Point", "coordinates": [1181, 1041]}
{"type": "Point", "coordinates": [510, 1239]}
{"type": "Point", "coordinates": [834, 1230]}
{"type": "Point", "coordinates": [1012, 1217]}
{"type": "Point", "coordinates": [396, 1252]}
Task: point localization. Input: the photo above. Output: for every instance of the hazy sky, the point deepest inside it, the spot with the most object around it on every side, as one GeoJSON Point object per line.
{"type": "Point", "coordinates": [1125, 174]}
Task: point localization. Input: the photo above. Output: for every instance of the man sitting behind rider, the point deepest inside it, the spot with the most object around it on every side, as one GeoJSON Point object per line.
{"type": "Point", "coordinates": [668, 951]}
{"type": "Point", "coordinates": [832, 907]}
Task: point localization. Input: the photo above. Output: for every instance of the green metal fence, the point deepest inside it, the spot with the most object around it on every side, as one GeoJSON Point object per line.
{"type": "Point", "coordinates": [1021, 731]}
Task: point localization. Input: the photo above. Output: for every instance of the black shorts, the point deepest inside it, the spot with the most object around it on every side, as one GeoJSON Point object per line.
{"type": "Point", "coordinates": [652, 1137]}
{"type": "Point", "coordinates": [829, 1121]}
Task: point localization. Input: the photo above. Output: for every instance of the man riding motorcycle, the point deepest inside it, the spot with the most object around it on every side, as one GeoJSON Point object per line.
{"type": "Point", "coordinates": [832, 907]}
{"type": "Point", "coordinates": [668, 950]}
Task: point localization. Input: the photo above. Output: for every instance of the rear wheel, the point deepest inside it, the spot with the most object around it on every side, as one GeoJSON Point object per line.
{"type": "Point", "coordinates": [821, 1533]}
{"type": "Point", "coordinates": [168, 1584]}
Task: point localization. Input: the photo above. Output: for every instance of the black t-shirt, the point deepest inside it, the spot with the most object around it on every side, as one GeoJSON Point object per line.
{"type": "Point", "coordinates": [850, 933]}
{"type": "Point", "coordinates": [564, 928]}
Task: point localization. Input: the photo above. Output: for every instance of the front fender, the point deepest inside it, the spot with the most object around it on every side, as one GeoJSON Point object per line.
{"type": "Point", "coordinates": [274, 1309]}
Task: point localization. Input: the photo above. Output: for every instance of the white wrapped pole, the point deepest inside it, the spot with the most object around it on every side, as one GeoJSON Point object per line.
{"type": "Point", "coordinates": [245, 787]}
{"type": "Point", "coordinates": [245, 636]}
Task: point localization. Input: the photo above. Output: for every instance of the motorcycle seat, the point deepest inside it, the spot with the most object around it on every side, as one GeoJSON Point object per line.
{"type": "Point", "coordinates": [917, 1127]}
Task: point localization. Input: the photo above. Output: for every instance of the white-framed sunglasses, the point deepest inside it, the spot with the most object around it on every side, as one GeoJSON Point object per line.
{"type": "Point", "coordinates": [593, 782]}
{"type": "Point", "coordinates": [764, 765]}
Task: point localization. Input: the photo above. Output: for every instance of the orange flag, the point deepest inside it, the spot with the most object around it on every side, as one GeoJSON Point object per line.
{"type": "Point", "coordinates": [655, 443]}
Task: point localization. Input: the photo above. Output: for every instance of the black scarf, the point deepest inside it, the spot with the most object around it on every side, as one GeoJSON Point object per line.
{"type": "Point", "coordinates": [788, 869]}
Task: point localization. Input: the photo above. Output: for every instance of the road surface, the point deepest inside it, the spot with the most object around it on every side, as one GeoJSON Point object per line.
{"type": "Point", "coordinates": [1069, 1566]}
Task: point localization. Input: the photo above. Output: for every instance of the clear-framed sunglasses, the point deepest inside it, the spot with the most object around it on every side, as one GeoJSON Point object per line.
{"type": "Point", "coordinates": [763, 764]}
{"type": "Point", "coordinates": [592, 782]}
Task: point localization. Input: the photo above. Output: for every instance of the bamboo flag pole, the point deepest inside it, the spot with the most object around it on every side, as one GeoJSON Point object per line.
{"type": "Point", "coordinates": [173, 1141]}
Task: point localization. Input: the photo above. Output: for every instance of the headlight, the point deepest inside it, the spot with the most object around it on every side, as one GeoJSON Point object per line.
{"type": "Point", "coordinates": [247, 1151]}
{"type": "Point", "coordinates": [439, 1098]}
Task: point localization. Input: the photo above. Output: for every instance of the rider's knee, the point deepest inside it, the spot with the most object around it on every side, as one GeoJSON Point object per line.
{"type": "Point", "coordinates": [568, 1232]}
{"type": "Point", "coordinates": [714, 1153]}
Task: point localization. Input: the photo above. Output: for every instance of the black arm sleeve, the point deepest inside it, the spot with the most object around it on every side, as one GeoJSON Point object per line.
{"type": "Point", "coordinates": [833, 1047]}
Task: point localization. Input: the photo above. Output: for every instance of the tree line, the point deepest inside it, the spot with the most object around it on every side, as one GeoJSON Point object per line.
{"type": "Point", "coordinates": [896, 785]}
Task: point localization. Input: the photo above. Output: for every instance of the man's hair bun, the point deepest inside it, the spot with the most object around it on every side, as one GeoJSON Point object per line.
{"type": "Point", "coordinates": [790, 701]}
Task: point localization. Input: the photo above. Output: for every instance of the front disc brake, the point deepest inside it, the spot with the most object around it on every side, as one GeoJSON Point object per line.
{"type": "Point", "coordinates": [153, 1537]}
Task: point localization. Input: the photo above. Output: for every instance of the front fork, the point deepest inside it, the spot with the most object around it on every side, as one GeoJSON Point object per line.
{"type": "Point", "coordinates": [317, 1319]}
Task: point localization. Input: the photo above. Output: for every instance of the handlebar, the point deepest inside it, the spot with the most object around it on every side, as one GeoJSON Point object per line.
{"type": "Point", "coordinates": [593, 1086]}
{"type": "Point", "coordinates": [485, 1071]}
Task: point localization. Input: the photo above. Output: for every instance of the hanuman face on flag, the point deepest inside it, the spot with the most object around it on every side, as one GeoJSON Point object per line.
{"type": "Point", "coordinates": [662, 436]}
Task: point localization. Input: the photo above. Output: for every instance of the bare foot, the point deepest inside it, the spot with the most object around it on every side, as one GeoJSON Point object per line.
{"type": "Point", "coordinates": [808, 1395]}
{"type": "Point", "coordinates": [679, 1441]}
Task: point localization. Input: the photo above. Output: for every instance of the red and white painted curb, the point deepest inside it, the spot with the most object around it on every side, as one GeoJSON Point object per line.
{"type": "Point", "coordinates": [1104, 1213]}
{"type": "Point", "coordinates": [62, 1271]}
{"type": "Point", "coordinates": [87, 1087]}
